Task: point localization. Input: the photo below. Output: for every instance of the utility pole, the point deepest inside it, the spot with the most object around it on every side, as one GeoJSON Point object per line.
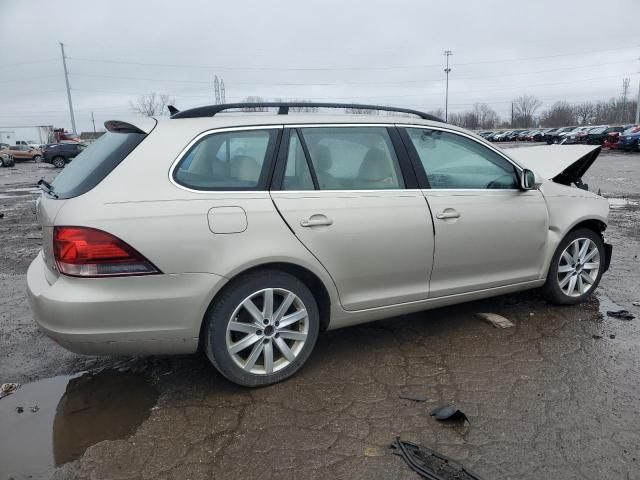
{"type": "Point", "coordinates": [447, 53]}
{"type": "Point", "coordinates": [625, 92]}
{"type": "Point", "coordinates": [638, 106]}
{"type": "Point", "coordinates": [66, 79]}
{"type": "Point", "coordinates": [94, 123]}
{"type": "Point", "coordinates": [511, 114]}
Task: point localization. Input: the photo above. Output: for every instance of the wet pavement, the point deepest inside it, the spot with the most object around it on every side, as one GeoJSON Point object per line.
{"type": "Point", "coordinates": [554, 397]}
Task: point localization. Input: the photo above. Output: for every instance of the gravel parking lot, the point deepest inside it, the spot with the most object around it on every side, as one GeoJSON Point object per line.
{"type": "Point", "coordinates": [555, 397]}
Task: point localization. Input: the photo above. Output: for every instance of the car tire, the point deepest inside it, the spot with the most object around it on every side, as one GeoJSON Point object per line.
{"type": "Point", "coordinates": [573, 274]}
{"type": "Point", "coordinates": [59, 162]}
{"type": "Point", "coordinates": [253, 351]}
{"type": "Point", "coordinates": [37, 158]}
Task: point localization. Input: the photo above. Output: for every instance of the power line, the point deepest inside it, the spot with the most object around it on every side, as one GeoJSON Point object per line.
{"type": "Point", "coordinates": [313, 84]}
{"type": "Point", "coordinates": [396, 67]}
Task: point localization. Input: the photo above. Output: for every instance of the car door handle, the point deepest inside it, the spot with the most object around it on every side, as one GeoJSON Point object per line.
{"type": "Point", "coordinates": [316, 221]}
{"type": "Point", "coordinates": [448, 213]}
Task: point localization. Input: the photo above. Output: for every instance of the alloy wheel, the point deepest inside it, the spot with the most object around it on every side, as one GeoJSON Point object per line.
{"type": "Point", "coordinates": [267, 331]}
{"type": "Point", "coordinates": [578, 267]}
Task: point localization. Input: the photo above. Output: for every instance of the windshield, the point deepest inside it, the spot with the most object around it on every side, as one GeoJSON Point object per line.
{"type": "Point", "coordinates": [94, 163]}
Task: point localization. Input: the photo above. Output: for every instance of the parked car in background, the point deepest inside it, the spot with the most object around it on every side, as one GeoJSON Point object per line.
{"type": "Point", "coordinates": [572, 136]}
{"type": "Point", "coordinates": [62, 153]}
{"type": "Point", "coordinates": [554, 136]}
{"type": "Point", "coordinates": [502, 136]}
{"type": "Point", "coordinates": [629, 140]}
{"type": "Point", "coordinates": [6, 160]}
{"type": "Point", "coordinates": [281, 243]}
{"type": "Point", "coordinates": [613, 139]}
{"type": "Point", "coordinates": [597, 136]}
{"type": "Point", "coordinates": [523, 135]}
{"type": "Point", "coordinates": [24, 152]}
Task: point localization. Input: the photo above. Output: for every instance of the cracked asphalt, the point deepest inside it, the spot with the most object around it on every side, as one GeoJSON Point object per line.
{"type": "Point", "coordinates": [555, 397]}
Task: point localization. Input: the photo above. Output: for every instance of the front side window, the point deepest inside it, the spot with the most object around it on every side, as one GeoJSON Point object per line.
{"type": "Point", "coordinates": [227, 161]}
{"type": "Point", "coordinates": [353, 158]}
{"type": "Point", "coordinates": [452, 161]}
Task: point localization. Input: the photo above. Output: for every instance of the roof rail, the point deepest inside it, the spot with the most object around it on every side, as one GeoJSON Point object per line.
{"type": "Point", "coordinates": [283, 109]}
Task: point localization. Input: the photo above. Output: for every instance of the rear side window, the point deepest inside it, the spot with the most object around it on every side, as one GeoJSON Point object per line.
{"type": "Point", "coordinates": [94, 163]}
{"type": "Point", "coordinates": [228, 161]}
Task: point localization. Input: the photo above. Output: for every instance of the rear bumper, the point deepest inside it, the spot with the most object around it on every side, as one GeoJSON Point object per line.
{"type": "Point", "coordinates": [154, 314]}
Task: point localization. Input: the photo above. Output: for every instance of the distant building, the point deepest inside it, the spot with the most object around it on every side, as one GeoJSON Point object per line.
{"type": "Point", "coordinates": [90, 135]}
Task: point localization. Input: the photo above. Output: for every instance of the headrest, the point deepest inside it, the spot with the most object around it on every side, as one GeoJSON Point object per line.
{"type": "Point", "coordinates": [244, 168]}
{"type": "Point", "coordinates": [375, 166]}
{"type": "Point", "coordinates": [321, 157]}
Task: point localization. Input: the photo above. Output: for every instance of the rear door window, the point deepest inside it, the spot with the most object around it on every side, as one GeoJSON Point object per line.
{"type": "Point", "coordinates": [95, 162]}
{"type": "Point", "coordinates": [353, 158]}
{"type": "Point", "coordinates": [235, 160]}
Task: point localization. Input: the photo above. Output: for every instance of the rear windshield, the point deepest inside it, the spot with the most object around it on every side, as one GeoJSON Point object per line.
{"type": "Point", "coordinates": [94, 163]}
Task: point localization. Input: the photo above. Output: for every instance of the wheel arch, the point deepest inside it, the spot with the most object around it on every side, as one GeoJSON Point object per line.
{"type": "Point", "coordinates": [306, 276]}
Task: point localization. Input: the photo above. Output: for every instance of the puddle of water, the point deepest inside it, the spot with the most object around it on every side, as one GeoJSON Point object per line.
{"type": "Point", "coordinates": [620, 202]}
{"type": "Point", "coordinates": [63, 416]}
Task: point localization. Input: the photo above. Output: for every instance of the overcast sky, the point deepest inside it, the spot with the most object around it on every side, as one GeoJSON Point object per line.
{"type": "Point", "coordinates": [386, 52]}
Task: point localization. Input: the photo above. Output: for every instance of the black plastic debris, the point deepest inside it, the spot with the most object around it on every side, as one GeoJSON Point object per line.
{"type": "Point", "coordinates": [621, 314]}
{"type": "Point", "coordinates": [449, 412]}
{"type": "Point", "coordinates": [431, 464]}
{"type": "Point", "coordinates": [596, 337]}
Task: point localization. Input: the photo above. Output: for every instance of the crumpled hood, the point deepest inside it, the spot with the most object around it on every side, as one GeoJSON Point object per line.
{"type": "Point", "coordinates": [565, 164]}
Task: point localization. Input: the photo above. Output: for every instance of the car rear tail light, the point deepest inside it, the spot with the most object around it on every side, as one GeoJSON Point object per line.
{"type": "Point", "coordinates": [88, 252]}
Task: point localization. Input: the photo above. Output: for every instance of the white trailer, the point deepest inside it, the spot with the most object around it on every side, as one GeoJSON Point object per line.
{"type": "Point", "coordinates": [36, 134]}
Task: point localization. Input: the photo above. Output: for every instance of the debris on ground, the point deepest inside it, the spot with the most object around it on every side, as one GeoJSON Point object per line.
{"type": "Point", "coordinates": [635, 304]}
{"type": "Point", "coordinates": [621, 314]}
{"type": "Point", "coordinates": [8, 389]}
{"type": "Point", "coordinates": [413, 398]}
{"type": "Point", "coordinates": [34, 409]}
{"type": "Point", "coordinates": [612, 336]}
{"type": "Point", "coordinates": [496, 320]}
{"type": "Point", "coordinates": [449, 412]}
{"type": "Point", "coordinates": [19, 409]}
{"type": "Point", "coordinates": [596, 337]}
{"type": "Point", "coordinates": [431, 464]}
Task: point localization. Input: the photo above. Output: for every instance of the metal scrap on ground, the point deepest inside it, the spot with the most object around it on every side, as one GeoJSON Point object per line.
{"type": "Point", "coordinates": [621, 314]}
{"type": "Point", "coordinates": [496, 320]}
{"type": "Point", "coordinates": [8, 389]}
{"type": "Point", "coordinates": [431, 464]}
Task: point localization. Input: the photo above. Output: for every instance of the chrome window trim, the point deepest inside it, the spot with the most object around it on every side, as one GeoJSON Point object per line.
{"type": "Point", "coordinates": [320, 125]}
{"type": "Point", "coordinates": [207, 133]}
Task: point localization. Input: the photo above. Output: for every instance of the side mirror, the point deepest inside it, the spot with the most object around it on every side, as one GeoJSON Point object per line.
{"type": "Point", "coordinates": [529, 180]}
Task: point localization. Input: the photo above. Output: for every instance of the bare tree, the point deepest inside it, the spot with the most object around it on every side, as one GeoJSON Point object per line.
{"type": "Point", "coordinates": [361, 111]}
{"type": "Point", "coordinates": [151, 105]}
{"type": "Point", "coordinates": [437, 113]}
{"type": "Point", "coordinates": [585, 112]}
{"type": "Point", "coordinates": [525, 107]}
{"type": "Point", "coordinates": [486, 116]}
{"type": "Point", "coordinates": [559, 115]}
{"type": "Point", "coordinates": [254, 99]}
{"type": "Point", "coordinates": [625, 94]}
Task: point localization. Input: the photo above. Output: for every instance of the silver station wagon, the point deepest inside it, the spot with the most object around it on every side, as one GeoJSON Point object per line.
{"type": "Point", "coordinates": [246, 234]}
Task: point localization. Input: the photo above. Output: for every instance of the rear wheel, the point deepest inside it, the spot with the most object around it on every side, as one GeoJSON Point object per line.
{"type": "Point", "coordinates": [59, 162]}
{"type": "Point", "coordinates": [262, 328]}
{"type": "Point", "coordinates": [576, 268]}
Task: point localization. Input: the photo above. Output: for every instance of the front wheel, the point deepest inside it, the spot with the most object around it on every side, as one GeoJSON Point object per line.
{"type": "Point", "coordinates": [262, 328]}
{"type": "Point", "coordinates": [576, 268]}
